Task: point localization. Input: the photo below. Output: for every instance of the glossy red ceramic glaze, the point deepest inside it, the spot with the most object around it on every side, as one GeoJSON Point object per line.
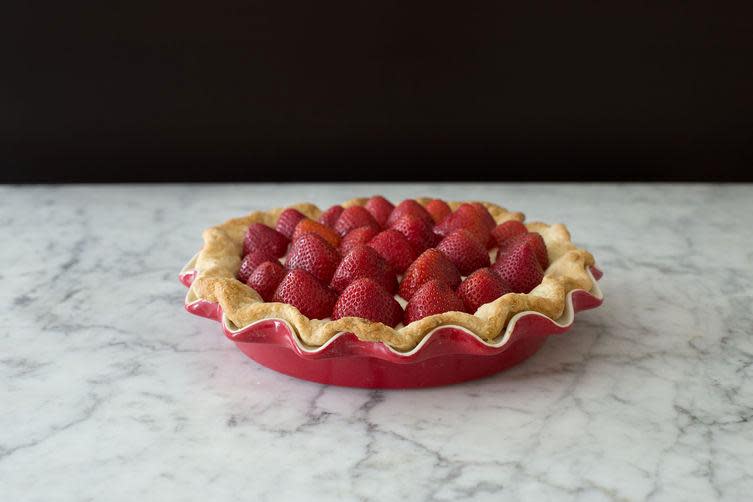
{"type": "Point", "coordinates": [448, 355]}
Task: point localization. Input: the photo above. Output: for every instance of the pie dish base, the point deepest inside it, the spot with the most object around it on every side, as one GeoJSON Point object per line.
{"type": "Point", "coordinates": [449, 354]}
{"type": "Point", "coordinates": [369, 372]}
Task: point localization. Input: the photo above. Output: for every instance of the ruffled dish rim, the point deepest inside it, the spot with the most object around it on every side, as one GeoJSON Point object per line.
{"type": "Point", "coordinates": [565, 321]}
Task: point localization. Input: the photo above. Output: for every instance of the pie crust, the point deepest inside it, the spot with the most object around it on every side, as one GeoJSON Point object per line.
{"type": "Point", "coordinates": [218, 262]}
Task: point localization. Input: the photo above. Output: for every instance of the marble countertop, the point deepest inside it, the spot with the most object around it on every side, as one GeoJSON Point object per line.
{"type": "Point", "coordinates": [110, 391]}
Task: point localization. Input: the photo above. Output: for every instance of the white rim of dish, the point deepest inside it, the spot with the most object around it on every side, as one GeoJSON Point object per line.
{"type": "Point", "coordinates": [564, 321]}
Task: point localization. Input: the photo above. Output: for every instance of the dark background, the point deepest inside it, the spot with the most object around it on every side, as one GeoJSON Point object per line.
{"type": "Point", "coordinates": [273, 90]}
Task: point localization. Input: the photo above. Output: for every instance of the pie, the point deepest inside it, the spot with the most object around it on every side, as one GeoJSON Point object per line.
{"type": "Point", "coordinates": [388, 273]}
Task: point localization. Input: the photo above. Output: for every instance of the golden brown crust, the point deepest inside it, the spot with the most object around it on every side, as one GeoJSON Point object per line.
{"type": "Point", "coordinates": [219, 260]}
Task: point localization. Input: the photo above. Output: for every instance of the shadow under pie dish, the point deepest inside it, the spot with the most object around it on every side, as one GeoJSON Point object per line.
{"type": "Point", "coordinates": [374, 295]}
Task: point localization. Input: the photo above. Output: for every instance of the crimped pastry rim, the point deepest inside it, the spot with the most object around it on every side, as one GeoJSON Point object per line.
{"type": "Point", "coordinates": [216, 265]}
{"type": "Point", "coordinates": [564, 321]}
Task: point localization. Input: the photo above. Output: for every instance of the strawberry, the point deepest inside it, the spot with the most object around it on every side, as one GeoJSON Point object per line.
{"type": "Point", "coordinates": [409, 207]}
{"type": "Point", "coordinates": [265, 279]}
{"type": "Point", "coordinates": [430, 265]}
{"type": "Point", "coordinates": [434, 297]}
{"type": "Point", "coordinates": [251, 261]}
{"type": "Point", "coordinates": [532, 239]}
{"type": "Point", "coordinates": [329, 217]}
{"type": "Point", "coordinates": [363, 261]}
{"type": "Point", "coordinates": [354, 217]}
{"type": "Point", "coordinates": [482, 286]}
{"type": "Point", "coordinates": [465, 252]}
{"type": "Point", "coordinates": [287, 221]}
{"type": "Point", "coordinates": [368, 299]}
{"type": "Point", "coordinates": [438, 209]}
{"type": "Point", "coordinates": [466, 217]}
{"type": "Point", "coordinates": [486, 217]}
{"type": "Point", "coordinates": [260, 237]}
{"type": "Point", "coordinates": [506, 230]}
{"type": "Point", "coordinates": [519, 268]}
{"type": "Point", "coordinates": [307, 226]}
{"type": "Point", "coordinates": [301, 290]}
{"type": "Point", "coordinates": [416, 231]}
{"type": "Point", "coordinates": [314, 255]}
{"type": "Point", "coordinates": [360, 235]}
{"type": "Point", "coordinates": [380, 208]}
{"type": "Point", "coordinates": [395, 248]}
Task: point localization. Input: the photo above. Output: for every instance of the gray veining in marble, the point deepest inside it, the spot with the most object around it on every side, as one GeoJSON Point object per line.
{"type": "Point", "coordinates": [110, 391]}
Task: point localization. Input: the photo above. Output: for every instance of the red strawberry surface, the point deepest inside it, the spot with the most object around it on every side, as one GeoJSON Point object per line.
{"type": "Point", "coordinates": [534, 241]}
{"type": "Point", "coordinates": [466, 217]}
{"type": "Point", "coordinates": [364, 261]}
{"type": "Point", "coordinates": [313, 254]}
{"type": "Point", "coordinates": [431, 265]}
{"type": "Point", "coordinates": [482, 286]}
{"type": "Point", "coordinates": [355, 237]}
{"type": "Point", "coordinates": [354, 217]}
{"type": "Point", "coordinates": [519, 268]}
{"type": "Point", "coordinates": [260, 237]}
{"type": "Point", "coordinates": [265, 279]}
{"type": "Point", "coordinates": [464, 251]}
{"type": "Point", "coordinates": [251, 261]}
{"type": "Point", "coordinates": [416, 231]}
{"type": "Point", "coordinates": [486, 217]}
{"type": "Point", "coordinates": [303, 291]}
{"type": "Point", "coordinates": [307, 226]}
{"type": "Point", "coordinates": [287, 221]}
{"type": "Point", "coordinates": [438, 209]}
{"type": "Point", "coordinates": [412, 208]}
{"type": "Point", "coordinates": [330, 216]}
{"type": "Point", "coordinates": [434, 297]}
{"type": "Point", "coordinates": [507, 230]}
{"type": "Point", "coordinates": [395, 248]}
{"type": "Point", "coordinates": [367, 299]}
{"type": "Point", "coordinates": [380, 208]}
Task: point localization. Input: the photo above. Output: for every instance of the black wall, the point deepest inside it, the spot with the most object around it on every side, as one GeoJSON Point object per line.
{"type": "Point", "coordinates": [261, 89]}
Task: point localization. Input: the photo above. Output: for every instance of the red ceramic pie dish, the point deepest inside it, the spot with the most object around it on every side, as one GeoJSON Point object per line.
{"type": "Point", "coordinates": [449, 354]}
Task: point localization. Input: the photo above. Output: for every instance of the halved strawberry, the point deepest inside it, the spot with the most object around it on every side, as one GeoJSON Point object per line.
{"type": "Point", "coordinates": [434, 297]}
{"type": "Point", "coordinates": [416, 231]}
{"type": "Point", "coordinates": [532, 239]}
{"type": "Point", "coordinates": [395, 248]}
{"type": "Point", "coordinates": [363, 261]}
{"type": "Point", "coordinates": [367, 299]}
{"type": "Point", "coordinates": [355, 237]}
{"type": "Point", "coordinates": [380, 208]}
{"type": "Point", "coordinates": [287, 221]}
{"type": "Point", "coordinates": [313, 254]}
{"type": "Point", "coordinates": [464, 251]}
{"type": "Point", "coordinates": [307, 226]}
{"type": "Point", "coordinates": [507, 230]}
{"type": "Point", "coordinates": [429, 266]}
{"type": "Point", "coordinates": [438, 209]}
{"type": "Point", "coordinates": [251, 261]}
{"type": "Point", "coordinates": [330, 216]}
{"type": "Point", "coordinates": [519, 268]}
{"type": "Point", "coordinates": [412, 208]}
{"type": "Point", "coordinates": [301, 290]}
{"type": "Point", "coordinates": [260, 237]}
{"type": "Point", "coordinates": [482, 286]}
{"type": "Point", "coordinates": [354, 217]}
{"type": "Point", "coordinates": [265, 279]}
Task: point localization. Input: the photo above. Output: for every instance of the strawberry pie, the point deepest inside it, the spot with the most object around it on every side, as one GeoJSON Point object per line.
{"type": "Point", "coordinates": [388, 273]}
